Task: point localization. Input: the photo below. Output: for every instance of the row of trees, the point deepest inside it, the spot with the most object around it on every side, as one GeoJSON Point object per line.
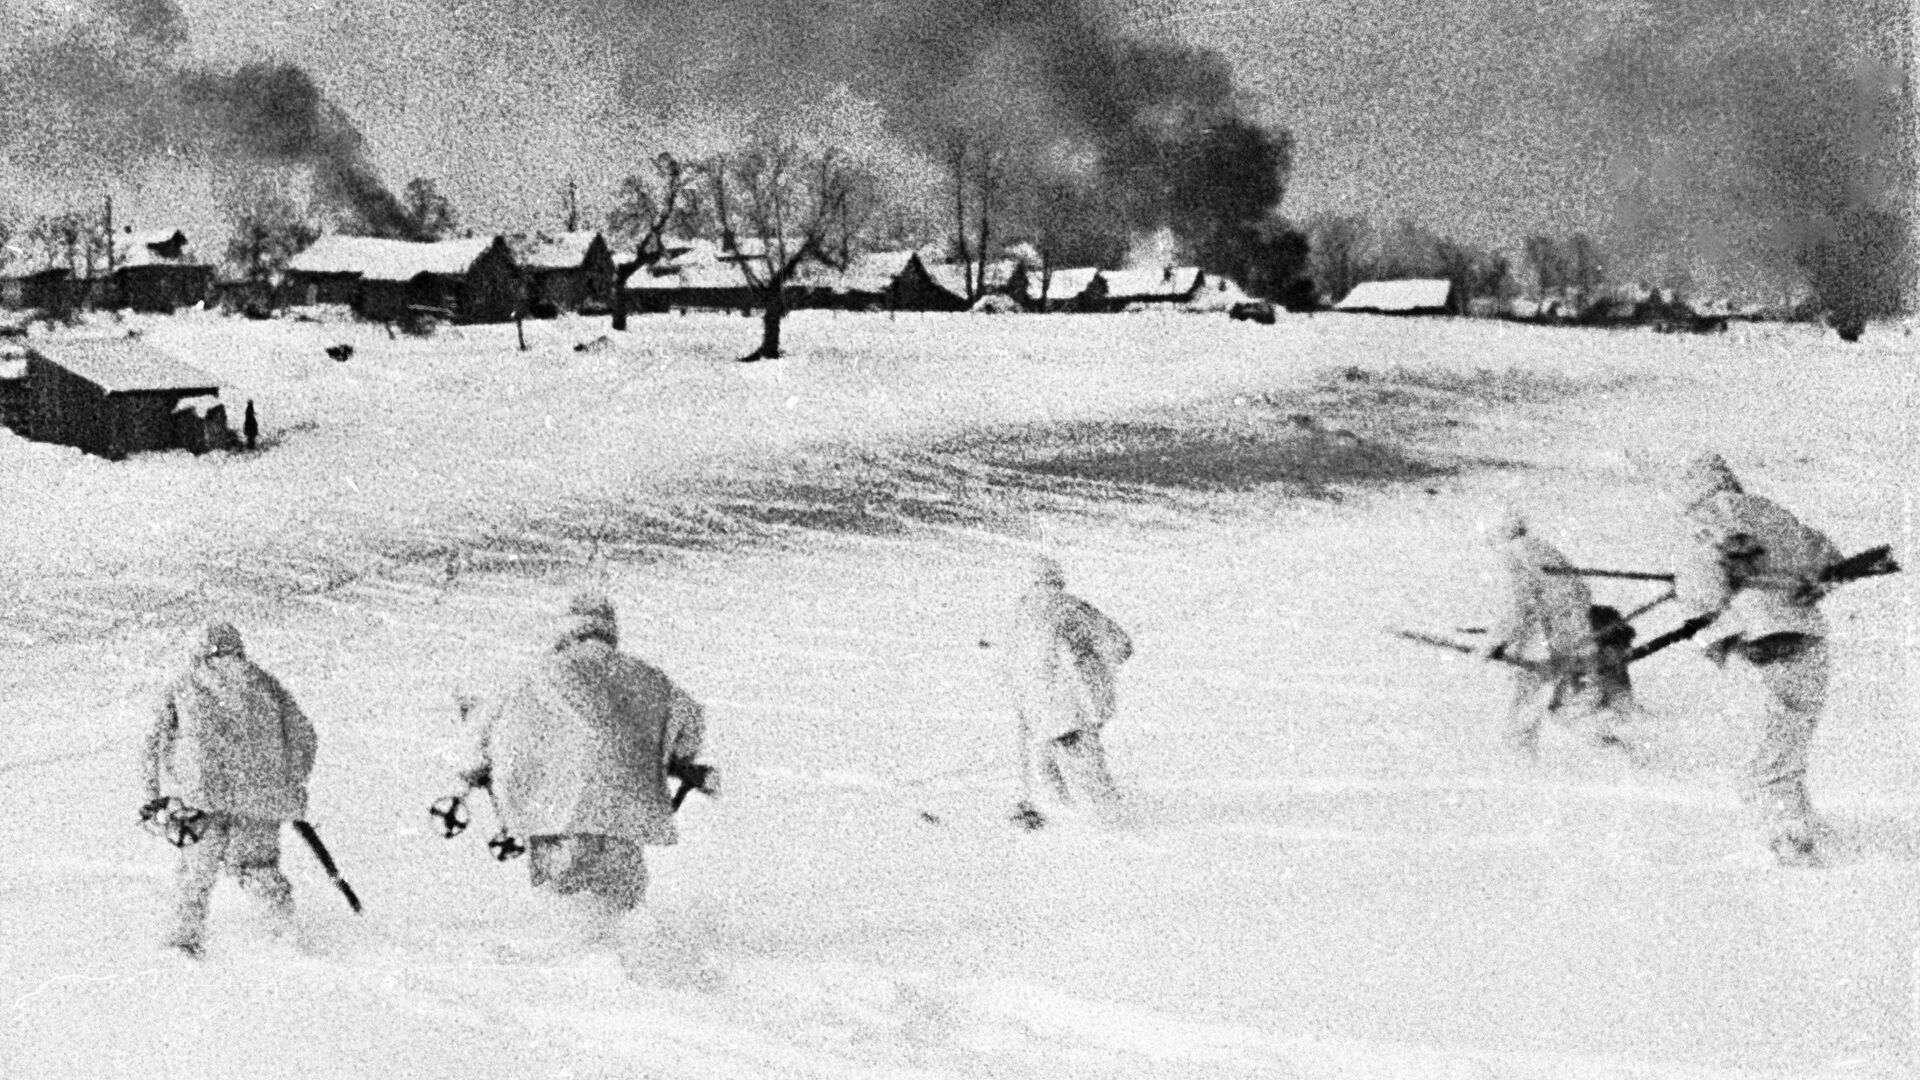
{"type": "Point", "coordinates": [1347, 249]}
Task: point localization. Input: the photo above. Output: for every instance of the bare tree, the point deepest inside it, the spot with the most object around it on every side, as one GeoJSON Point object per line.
{"type": "Point", "coordinates": [429, 214]}
{"type": "Point", "coordinates": [1337, 252]}
{"type": "Point", "coordinates": [1545, 263]}
{"type": "Point", "coordinates": [267, 231]}
{"type": "Point", "coordinates": [779, 206]}
{"type": "Point", "coordinates": [976, 164]}
{"type": "Point", "coordinates": [646, 208]}
{"type": "Point", "coordinates": [1586, 267]}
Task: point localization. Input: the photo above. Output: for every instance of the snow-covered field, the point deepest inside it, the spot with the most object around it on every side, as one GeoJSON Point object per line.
{"type": "Point", "coordinates": [1326, 868]}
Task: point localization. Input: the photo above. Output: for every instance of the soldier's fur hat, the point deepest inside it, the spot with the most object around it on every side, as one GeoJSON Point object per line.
{"type": "Point", "coordinates": [590, 617]}
{"type": "Point", "coordinates": [1046, 570]}
{"type": "Point", "coordinates": [1706, 475]}
{"type": "Point", "coordinates": [219, 639]}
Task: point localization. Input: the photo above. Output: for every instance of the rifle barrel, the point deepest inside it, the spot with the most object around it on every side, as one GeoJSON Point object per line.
{"type": "Point", "coordinates": [1625, 575]}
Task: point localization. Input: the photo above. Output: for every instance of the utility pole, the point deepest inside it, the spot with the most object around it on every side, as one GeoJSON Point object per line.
{"type": "Point", "coordinates": [573, 206]}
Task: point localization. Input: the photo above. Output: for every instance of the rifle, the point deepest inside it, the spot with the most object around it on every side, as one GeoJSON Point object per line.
{"type": "Point", "coordinates": [1461, 647]}
{"type": "Point", "coordinates": [305, 829]}
{"type": "Point", "coordinates": [1873, 562]}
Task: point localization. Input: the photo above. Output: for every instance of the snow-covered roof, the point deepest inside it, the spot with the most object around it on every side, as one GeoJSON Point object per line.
{"type": "Point", "coordinates": [388, 260]}
{"type": "Point", "coordinates": [123, 365]}
{"type": "Point", "coordinates": [1412, 294]}
{"type": "Point", "coordinates": [953, 276]}
{"type": "Point", "coordinates": [1164, 284]}
{"type": "Point", "coordinates": [701, 266]}
{"type": "Point", "coordinates": [200, 405]}
{"type": "Point", "coordinates": [553, 251]}
{"type": "Point", "coordinates": [1063, 284]}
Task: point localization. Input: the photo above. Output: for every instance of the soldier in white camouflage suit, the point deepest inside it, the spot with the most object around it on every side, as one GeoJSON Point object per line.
{"type": "Point", "coordinates": [1756, 570]}
{"type": "Point", "coordinates": [230, 742]}
{"type": "Point", "coordinates": [1060, 658]}
{"type": "Point", "coordinates": [1547, 628]}
{"type": "Point", "coordinates": [578, 752]}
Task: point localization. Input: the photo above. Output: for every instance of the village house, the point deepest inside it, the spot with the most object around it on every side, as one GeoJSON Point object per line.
{"type": "Point", "coordinates": [1412, 296]}
{"type": "Point", "coordinates": [951, 279]}
{"type": "Point", "coordinates": [1051, 290]}
{"type": "Point", "coordinates": [40, 288]}
{"type": "Point", "coordinates": [118, 396]}
{"type": "Point", "coordinates": [157, 271]}
{"type": "Point", "coordinates": [1119, 290]}
{"type": "Point", "coordinates": [696, 275]}
{"type": "Point", "coordinates": [473, 280]}
{"type": "Point", "coordinates": [569, 271]}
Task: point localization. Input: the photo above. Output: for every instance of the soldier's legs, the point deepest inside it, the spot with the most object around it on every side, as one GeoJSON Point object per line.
{"type": "Point", "coordinates": [1776, 775]}
{"type": "Point", "coordinates": [607, 867]}
{"type": "Point", "coordinates": [1081, 762]}
{"type": "Point", "coordinates": [194, 878]}
{"type": "Point", "coordinates": [253, 855]}
{"type": "Point", "coordinates": [1533, 694]}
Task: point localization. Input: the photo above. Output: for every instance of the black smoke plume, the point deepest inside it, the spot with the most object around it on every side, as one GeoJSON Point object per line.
{"type": "Point", "coordinates": [1102, 136]}
{"type": "Point", "coordinates": [107, 97]}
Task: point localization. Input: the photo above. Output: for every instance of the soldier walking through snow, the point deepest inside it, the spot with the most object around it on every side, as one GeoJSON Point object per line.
{"type": "Point", "coordinates": [1060, 658]}
{"type": "Point", "coordinates": [1556, 638]}
{"type": "Point", "coordinates": [229, 742]}
{"type": "Point", "coordinates": [1755, 570]}
{"type": "Point", "coordinates": [578, 752]}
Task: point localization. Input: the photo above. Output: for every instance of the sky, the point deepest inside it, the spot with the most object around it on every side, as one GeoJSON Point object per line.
{"type": "Point", "coordinates": [1639, 122]}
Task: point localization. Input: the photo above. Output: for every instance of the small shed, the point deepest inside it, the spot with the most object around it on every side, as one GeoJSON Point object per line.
{"type": "Point", "coordinates": [110, 396]}
{"type": "Point", "coordinates": [1411, 296]}
{"type": "Point", "coordinates": [157, 271]}
{"type": "Point", "coordinates": [569, 271]}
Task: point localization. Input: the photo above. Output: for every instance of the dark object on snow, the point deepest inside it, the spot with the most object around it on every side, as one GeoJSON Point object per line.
{"type": "Point", "coordinates": [1028, 817]}
{"type": "Point", "coordinates": [326, 863]}
{"type": "Point", "coordinates": [173, 821]}
{"type": "Point", "coordinates": [340, 352]}
{"type": "Point", "coordinates": [1626, 575]}
{"type": "Point", "coordinates": [693, 777]}
{"type": "Point", "coordinates": [1258, 311]}
{"type": "Point", "coordinates": [250, 427]}
{"type": "Point", "coordinates": [601, 344]}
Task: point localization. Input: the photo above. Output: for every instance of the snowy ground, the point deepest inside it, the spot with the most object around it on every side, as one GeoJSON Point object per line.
{"type": "Point", "coordinates": [1325, 870]}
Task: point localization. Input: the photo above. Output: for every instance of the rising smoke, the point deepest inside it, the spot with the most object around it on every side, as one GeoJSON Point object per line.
{"type": "Point", "coordinates": [102, 95]}
{"type": "Point", "coordinates": [1783, 138]}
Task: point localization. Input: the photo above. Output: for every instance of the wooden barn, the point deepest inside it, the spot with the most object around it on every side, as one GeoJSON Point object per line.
{"type": "Point", "coordinates": [157, 272]}
{"type": "Point", "coordinates": [1413, 296]}
{"type": "Point", "coordinates": [474, 280]}
{"type": "Point", "coordinates": [569, 271]}
{"type": "Point", "coordinates": [111, 396]}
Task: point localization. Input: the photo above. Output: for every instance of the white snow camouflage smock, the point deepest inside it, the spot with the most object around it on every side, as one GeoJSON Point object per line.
{"type": "Point", "coordinates": [230, 738]}
{"type": "Point", "coordinates": [580, 745]}
{"type": "Point", "coordinates": [1060, 660]}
